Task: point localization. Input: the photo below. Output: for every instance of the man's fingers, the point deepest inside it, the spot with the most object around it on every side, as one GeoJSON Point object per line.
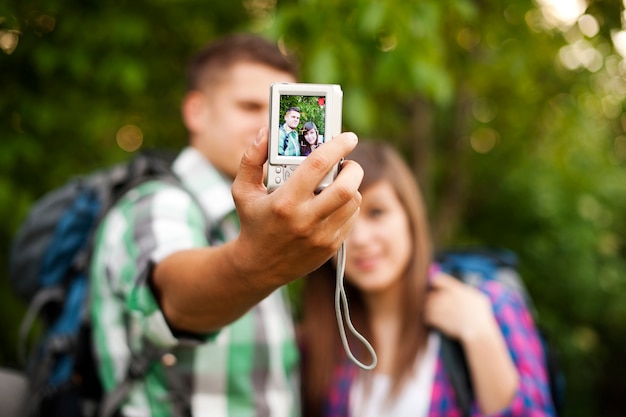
{"type": "Point", "coordinates": [251, 166]}
{"type": "Point", "coordinates": [344, 190]}
{"type": "Point", "coordinates": [343, 221]}
{"type": "Point", "coordinates": [318, 164]}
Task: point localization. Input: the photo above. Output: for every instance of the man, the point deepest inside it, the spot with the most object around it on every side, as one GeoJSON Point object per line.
{"type": "Point", "coordinates": [211, 301]}
{"type": "Point", "coordinates": [288, 143]}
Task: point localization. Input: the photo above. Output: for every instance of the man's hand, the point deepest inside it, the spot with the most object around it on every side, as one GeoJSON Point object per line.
{"type": "Point", "coordinates": [292, 231]}
{"type": "Point", "coordinates": [284, 236]}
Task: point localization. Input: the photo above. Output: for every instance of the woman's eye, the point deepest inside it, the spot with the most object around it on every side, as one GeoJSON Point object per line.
{"type": "Point", "coordinates": [375, 212]}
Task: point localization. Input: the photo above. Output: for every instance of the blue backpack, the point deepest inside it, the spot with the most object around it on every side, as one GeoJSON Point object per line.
{"type": "Point", "coordinates": [474, 266]}
{"type": "Point", "coordinates": [49, 266]}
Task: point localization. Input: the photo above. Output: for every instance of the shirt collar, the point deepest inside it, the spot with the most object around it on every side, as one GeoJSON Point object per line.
{"type": "Point", "coordinates": [211, 188]}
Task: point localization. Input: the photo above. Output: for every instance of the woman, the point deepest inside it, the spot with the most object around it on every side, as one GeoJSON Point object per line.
{"type": "Point", "coordinates": [401, 304]}
{"type": "Point", "coordinates": [310, 139]}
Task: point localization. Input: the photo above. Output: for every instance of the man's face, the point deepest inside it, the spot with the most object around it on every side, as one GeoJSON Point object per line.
{"type": "Point", "coordinates": [292, 118]}
{"type": "Point", "coordinates": [232, 112]}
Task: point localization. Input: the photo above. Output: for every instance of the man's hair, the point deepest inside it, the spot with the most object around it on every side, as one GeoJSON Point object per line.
{"type": "Point", "coordinates": [296, 109]}
{"type": "Point", "coordinates": [210, 63]}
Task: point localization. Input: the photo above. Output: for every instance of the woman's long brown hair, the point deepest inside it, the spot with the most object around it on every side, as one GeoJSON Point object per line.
{"type": "Point", "coordinates": [322, 348]}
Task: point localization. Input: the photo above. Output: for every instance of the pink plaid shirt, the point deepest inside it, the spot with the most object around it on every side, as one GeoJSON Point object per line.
{"type": "Point", "coordinates": [532, 398]}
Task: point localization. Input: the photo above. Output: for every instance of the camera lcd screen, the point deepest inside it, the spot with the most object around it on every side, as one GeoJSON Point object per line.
{"type": "Point", "coordinates": [301, 125]}
{"type": "Point", "coordinates": [302, 118]}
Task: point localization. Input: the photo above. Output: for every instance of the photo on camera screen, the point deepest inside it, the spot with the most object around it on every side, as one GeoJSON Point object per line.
{"type": "Point", "coordinates": [302, 125]}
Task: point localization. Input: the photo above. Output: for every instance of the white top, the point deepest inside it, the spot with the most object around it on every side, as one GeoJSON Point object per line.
{"type": "Point", "coordinates": [413, 399]}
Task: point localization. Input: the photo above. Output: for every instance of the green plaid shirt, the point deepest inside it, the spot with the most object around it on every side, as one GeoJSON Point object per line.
{"type": "Point", "coordinates": [248, 368]}
{"type": "Point", "coordinates": [288, 143]}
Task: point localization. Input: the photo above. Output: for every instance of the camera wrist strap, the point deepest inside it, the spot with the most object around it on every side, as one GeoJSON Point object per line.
{"type": "Point", "coordinates": [341, 300]}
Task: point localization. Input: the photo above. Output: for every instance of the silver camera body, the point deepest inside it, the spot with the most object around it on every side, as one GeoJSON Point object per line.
{"type": "Point", "coordinates": [317, 103]}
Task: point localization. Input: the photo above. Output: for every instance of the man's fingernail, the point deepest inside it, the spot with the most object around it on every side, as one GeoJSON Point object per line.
{"type": "Point", "coordinates": [259, 135]}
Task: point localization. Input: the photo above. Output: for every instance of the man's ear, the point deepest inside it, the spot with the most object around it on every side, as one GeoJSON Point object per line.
{"type": "Point", "coordinates": [194, 110]}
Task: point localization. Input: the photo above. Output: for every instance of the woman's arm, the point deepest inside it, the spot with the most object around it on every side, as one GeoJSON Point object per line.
{"type": "Point", "coordinates": [464, 313]}
{"type": "Point", "coordinates": [532, 397]}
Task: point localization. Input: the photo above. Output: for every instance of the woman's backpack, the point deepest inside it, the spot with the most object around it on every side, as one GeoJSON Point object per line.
{"type": "Point", "coordinates": [474, 266]}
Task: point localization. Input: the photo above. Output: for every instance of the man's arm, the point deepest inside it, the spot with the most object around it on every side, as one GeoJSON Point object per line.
{"type": "Point", "coordinates": [284, 235]}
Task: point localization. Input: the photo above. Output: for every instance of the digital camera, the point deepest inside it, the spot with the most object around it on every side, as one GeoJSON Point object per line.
{"type": "Point", "coordinates": [302, 118]}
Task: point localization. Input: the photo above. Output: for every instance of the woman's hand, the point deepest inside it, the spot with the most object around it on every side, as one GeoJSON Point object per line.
{"type": "Point", "coordinates": [457, 309]}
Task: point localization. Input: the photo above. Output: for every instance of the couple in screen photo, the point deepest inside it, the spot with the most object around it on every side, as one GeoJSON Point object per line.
{"type": "Point", "coordinates": [298, 142]}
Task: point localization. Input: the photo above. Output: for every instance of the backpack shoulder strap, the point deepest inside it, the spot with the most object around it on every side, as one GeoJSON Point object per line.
{"type": "Point", "coordinates": [140, 363]}
{"type": "Point", "coordinates": [456, 366]}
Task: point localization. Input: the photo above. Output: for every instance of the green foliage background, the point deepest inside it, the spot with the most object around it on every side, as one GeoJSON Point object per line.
{"type": "Point", "coordinates": [511, 147]}
{"type": "Point", "coordinates": [310, 110]}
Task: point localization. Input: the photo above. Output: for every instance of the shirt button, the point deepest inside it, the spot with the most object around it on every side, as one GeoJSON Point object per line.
{"type": "Point", "coordinates": [168, 359]}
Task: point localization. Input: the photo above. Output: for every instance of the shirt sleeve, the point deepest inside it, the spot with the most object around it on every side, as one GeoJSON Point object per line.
{"type": "Point", "coordinates": [532, 398]}
{"type": "Point", "coordinates": [281, 140]}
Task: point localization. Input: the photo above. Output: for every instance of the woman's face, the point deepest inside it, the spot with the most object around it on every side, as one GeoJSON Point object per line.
{"type": "Point", "coordinates": [310, 136]}
{"type": "Point", "coordinates": [380, 246]}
